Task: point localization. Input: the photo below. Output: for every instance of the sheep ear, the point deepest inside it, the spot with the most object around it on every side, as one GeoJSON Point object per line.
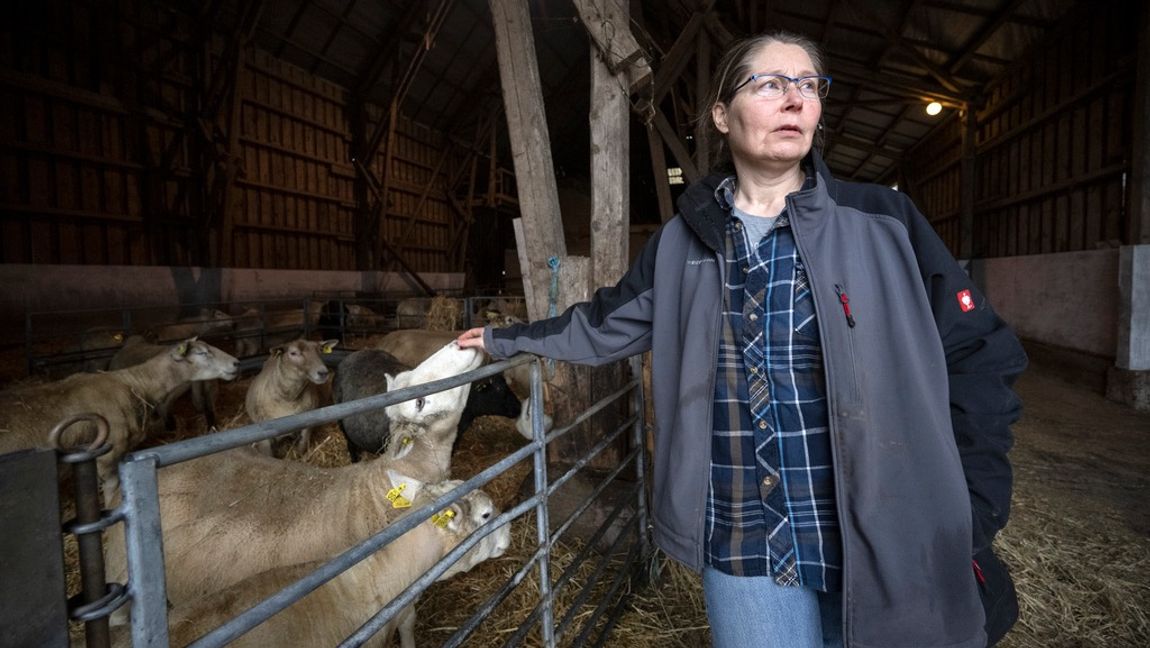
{"type": "Point", "coordinates": [388, 379]}
{"type": "Point", "coordinates": [276, 351]}
{"type": "Point", "coordinates": [118, 337]}
{"type": "Point", "coordinates": [181, 350]}
{"type": "Point", "coordinates": [327, 345]}
{"type": "Point", "coordinates": [410, 486]}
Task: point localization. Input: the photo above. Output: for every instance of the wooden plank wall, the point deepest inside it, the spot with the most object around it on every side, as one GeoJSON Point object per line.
{"type": "Point", "coordinates": [1052, 146]}
{"type": "Point", "coordinates": [81, 141]}
{"type": "Point", "coordinates": [76, 143]}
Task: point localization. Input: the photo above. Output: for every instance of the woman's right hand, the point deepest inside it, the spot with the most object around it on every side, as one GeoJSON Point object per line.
{"type": "Point", "coordinates": [472, 338]}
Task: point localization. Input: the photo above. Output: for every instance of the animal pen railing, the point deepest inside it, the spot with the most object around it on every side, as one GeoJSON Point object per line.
{"type": "Point", "coordinates": [140, 512]}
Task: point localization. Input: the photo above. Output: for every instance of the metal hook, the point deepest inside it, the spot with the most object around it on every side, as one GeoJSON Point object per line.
{"type": "Point", "coordinates": [101, 430]}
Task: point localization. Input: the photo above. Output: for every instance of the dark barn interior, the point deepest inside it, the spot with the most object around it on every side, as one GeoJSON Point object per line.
{"type": "Point", "coordinates": [159, 157]}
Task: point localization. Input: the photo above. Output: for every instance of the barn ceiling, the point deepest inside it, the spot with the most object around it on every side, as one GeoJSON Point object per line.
{"type": "Point", "coordinates": [888, 58]}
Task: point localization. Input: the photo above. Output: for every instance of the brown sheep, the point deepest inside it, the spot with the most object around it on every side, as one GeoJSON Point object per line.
{"type": "Point", "coordinates": [125, 398]}
{"type": "Point", "coordinates": [340, 606]}
{"type": "Point", "coordinates": [287, 385]}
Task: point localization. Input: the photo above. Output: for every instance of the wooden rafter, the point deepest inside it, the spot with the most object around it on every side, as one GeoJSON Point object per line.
{"type": "Point", "coordinates": [341, 23]}
{"type": "Point", "coordinates": [988, 29]}
{"type": "Point", "coordinates": [880, 142]}
{"type": "Point", "coordinates": [895, 38]}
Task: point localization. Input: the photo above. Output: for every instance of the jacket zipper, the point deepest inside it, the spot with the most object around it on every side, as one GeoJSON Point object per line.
{"type": "Point", "coordinates": [832, 403]}
{"type": "Point", "coordinates": [846, 302]}
{"type": "Point", "coordinates": [722, 265]}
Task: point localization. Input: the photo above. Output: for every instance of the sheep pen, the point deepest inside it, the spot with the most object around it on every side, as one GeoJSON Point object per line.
{"type": "Point", "coordinates": [1078, 541]}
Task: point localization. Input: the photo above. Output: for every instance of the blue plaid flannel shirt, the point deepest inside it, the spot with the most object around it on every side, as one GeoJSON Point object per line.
{"type": "Point", "coordinates": [771, 503]}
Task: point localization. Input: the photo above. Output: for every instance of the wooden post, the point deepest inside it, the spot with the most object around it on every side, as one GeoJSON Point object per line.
{"type": "Point", "coordinates": [610, 216]}
{"type": "Point", "coordinates": [530, 148]}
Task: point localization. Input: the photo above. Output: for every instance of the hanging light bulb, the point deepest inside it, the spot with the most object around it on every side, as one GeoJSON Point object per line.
{"type": "Point", "coordinates": [933, 108]}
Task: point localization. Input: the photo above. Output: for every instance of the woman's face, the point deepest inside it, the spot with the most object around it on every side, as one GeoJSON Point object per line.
{"type": "Point", "coordinates": [771, 132]}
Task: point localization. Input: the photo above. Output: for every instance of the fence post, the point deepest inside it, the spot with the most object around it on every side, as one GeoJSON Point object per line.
{"type": "Point", "coordinates": [144, 541]}
{"type": "Point", "coordinates": [547, 623]}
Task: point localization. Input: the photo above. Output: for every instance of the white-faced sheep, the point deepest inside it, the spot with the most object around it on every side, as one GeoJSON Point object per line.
{"type": "Point", "coordinates": [287, 385]}
{"type": "Point", "coordinates": [337, 608]}
{"type": "Point", "coordinates": [368, 372]}
{"type": "Point", "coordinates": [137, 350]}
{"type": "Point", "coordinates": [260, 513]}
{"type": "Point", "coordinates": [124, 398]}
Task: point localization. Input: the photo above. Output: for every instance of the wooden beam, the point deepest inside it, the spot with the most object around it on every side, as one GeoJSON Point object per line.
{"type": "Point", "coordinates": [678, 150]}
{"type": "Point", "coordinates": [888, 84]}
{"type": "Point", "coordinates": [1138, 223]}
{"type": "Point", "coordinates": [530, 146]}
{"type": "Point", "coordinates": [998, 19]}
{"type": "Point", "coordinates": [896, 39]}
{"type": "Point", "coordinates": [610, 31]}
{"type": "Point", "coordinates": [671, 67]}
{"type": "Point", "coordinates": [610, 165]}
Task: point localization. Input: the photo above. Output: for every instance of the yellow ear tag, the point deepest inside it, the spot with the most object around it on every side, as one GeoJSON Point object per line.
{"type": "Point", "coordinates": [406, 441]}
{"type": "Point", "coordinates": [443, 518]}
{"type": "Point", "coordinates": [397, 500]}
{"type": "Point", "coordinates": [327, 349]}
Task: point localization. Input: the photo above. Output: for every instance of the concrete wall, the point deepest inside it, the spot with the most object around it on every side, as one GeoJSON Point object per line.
{"type": "Point", "coordinates": [40, 288]}
{"type": "Point", "coordinates": [1068, 300]}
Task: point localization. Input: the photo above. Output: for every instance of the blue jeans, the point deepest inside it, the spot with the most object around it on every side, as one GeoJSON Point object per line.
{"type": "Point", "coordinates": [756, 612]}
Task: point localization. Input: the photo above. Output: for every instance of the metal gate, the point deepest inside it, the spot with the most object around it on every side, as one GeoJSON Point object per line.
{"type": "Point", "coordinates": [140, 512]}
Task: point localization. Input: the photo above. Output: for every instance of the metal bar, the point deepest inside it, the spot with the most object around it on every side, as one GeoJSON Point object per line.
{"type": "Point", "coordinates": [617, 610]}
{"type": "Point", "coordinates": [640, 443]}
{"type": "Point", "coordinates": [590, 454]}
{"type": "Point", "coordinates": [194, 448]}
{"type": "Point", "coordinates": [144, 541]}
{"type": "Point", "coordinates": [602, 486]}
{"type": "Point", "coordinates": [594, 616]}
{"type": "Point", "coordinates": [543, 533]}
{"type": "Point", "coordinates": [464, 631]}
{"type": "Point", "coordinates": [604, 560]}
{"type": "Point", "coordinates": [92, 576]}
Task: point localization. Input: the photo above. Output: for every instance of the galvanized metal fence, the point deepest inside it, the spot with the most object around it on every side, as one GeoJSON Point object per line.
{"type": "Point", "coordinates": [140, 512]}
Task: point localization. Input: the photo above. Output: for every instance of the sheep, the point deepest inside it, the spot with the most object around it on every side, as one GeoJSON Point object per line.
{"type": "Point", "coordinates": [260, 513]}
{"type": "Point", "coordinates": [208, 322]}
{"type": "Point", "coordinates": [287, 385]}
{"type": "Point", "coordinates": [137, 350]}
{"type": "Point", "coordinates": [257, 329]}
{"type": "Point", "coordinates": [124, 398]}
{"type": "Point", "coordinates": [353, 319]}
{"type": "Point", "coordinates": [337, 608]}
{"type": "Point", "coordinates": [411, 346]}
{"type": "Point", "coordinates": [368, 371]}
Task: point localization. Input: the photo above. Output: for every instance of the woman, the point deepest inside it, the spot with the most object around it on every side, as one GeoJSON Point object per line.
{"type": "Point", "coordinates": [832, 393]}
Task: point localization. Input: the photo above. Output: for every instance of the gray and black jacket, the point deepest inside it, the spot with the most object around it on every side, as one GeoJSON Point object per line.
{"type": "Point", "coordinates": [918, 385]}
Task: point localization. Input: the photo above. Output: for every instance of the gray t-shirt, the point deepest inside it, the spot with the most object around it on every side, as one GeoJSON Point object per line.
{"type": "Point", "coordinates": [755, 227]}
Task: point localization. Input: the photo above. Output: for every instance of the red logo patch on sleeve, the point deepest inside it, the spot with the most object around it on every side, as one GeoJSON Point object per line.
{"type": "Point", "coordinates": [965, 301]}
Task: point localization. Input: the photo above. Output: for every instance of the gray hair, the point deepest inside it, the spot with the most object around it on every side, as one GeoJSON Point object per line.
{"type": "Point", "coordinates": [733, 69]}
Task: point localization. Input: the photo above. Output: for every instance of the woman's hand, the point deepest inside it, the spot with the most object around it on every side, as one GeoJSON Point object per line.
{"type": "Point", "coordinates": [471, 338]}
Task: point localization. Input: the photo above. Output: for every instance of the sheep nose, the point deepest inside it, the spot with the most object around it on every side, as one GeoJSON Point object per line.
{"type": "Point", "coordinates": [322, 374]}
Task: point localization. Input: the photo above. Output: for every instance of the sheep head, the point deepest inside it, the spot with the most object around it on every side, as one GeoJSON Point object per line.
{"type": "Point", "coordinates": [305, 358]}
{"type": "Point", "coordinates": [204, 361]}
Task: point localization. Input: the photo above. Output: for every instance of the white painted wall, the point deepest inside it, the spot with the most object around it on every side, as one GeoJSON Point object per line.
{"type": "Point", "coordinates": [1069, 300]}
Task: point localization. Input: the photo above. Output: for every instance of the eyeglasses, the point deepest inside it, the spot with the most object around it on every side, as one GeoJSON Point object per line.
{"type": "Point", "coordinates": [773, 86]}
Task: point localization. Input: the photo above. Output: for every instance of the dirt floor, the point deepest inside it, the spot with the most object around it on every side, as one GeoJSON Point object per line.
{"type": "Point", "coordinates": [1078, 542]}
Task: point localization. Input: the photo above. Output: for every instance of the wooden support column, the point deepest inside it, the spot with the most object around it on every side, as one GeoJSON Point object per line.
{"type": "Point", "coordinates": [531, 151]}
{"type": "Point", "coordinates": [967, 178]}
{"type": "Point", "coordinates": [610, 212]}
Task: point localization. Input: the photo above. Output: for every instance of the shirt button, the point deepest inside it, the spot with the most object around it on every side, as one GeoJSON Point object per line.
{"type": "Point", "coordinates": [762, 425]}
{"type": "Point", "coordinates": [769, 483]}
{"type": "Point", "coordinates": [738, 225]}
{"type": "Point", "coordinates": [746, 269]}
{"type": "Point", "coordinates": [755, 370]}
{"type": "Point", "coordinates": [753, 317]}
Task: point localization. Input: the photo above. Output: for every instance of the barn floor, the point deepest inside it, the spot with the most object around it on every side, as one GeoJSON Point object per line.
{"type": "Point", "coordinates": [1078, 541]}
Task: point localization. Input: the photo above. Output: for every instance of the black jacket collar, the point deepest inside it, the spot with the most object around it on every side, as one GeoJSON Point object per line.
{"type": "Point", "coordinates": [707, 219]}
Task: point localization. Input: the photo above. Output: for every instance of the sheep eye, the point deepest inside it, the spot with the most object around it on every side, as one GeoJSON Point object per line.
{"type": "Point", "coordinates": [480, 387]}
{"type": "Point", "coordinates": [419, 403]}
{"type": "Point", "coordinates": [487, 515]}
